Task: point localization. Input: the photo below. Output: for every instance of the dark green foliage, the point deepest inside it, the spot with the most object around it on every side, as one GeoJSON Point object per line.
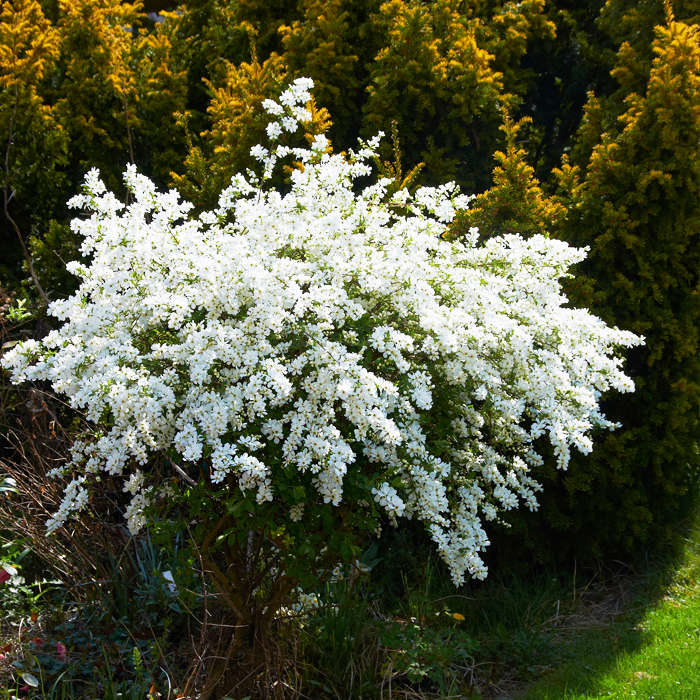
{"type": "Point", "coordinates": [637, 206]}
{"type": "Point", "coordinates": [50, 253]}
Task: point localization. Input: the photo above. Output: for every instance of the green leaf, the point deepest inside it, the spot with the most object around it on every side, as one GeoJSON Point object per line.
{"type": "Point", "coordinates": [30, 658]}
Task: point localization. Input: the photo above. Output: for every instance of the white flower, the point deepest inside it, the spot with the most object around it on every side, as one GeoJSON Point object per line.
{"type": "Point", "coordinates": [344, 388]}
{"type": "Point", "coordinates": [271, 107]}
{"type": "Point", "coordinates": [134, 482]}
{"type": "Point", "coordinates": [259, 152]}
{"type": "Point", "coordinates": [274, 131]}
{"type": "Point", "coordinates": [297, 334]}
{"type": "Point", "coordinates": [296, 512]}
{"type": "Point", "coordinates": [168, 576]}
{"type": "Point", "coordinates": [388, 498]}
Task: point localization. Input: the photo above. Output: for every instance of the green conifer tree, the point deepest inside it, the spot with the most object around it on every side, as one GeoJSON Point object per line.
{"type": "Point", "coordinates": [238, 123]}
{"type": "Point", "coordinates": [432, 79]}
{"type": "Point", "coordinates": [161, 86]}
{"type": "Point", "coordinates": [636, 204]}
{"type": "Point", "coordinates": [515, 203]}
{"type": "Point", "coordinates": [325, 46]}
{"type": "Point", "coordinates": [507, 33]}
{"type": "Point", "coordinates": [33, 141]}
{"type": "Point", "coordinates": [98, 92]}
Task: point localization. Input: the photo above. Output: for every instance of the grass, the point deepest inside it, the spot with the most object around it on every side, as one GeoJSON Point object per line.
{"type": "Point", "coordinates": [650, 650]}
{"type": "Point", "coordinates": [631, 634]}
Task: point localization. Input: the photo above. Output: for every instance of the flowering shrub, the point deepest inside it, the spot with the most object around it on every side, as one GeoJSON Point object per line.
{"type": "Point", "coordinates": [304, 361]}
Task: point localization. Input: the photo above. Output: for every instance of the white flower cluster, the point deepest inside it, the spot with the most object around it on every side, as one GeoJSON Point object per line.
{"type": "Point", "coordinates": [75, 498]}
{"type": "Point", "coordinates": [389, 499]}
{"type": "Point", "coordinates": [319, 328]}
{"type": "Point", "coordinates": [305, 603]}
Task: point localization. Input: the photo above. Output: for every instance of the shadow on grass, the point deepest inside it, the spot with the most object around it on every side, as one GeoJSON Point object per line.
{"type": "Point", "coordinates": [593, 647]}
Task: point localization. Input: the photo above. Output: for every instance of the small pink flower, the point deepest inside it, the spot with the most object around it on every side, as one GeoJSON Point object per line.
{"type": "Point", "coordinates": [4, 576]}
{"type": "Point", "coordinates": [61, 651]}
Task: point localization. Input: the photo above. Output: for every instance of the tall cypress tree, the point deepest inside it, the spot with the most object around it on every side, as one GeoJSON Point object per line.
{"type": "Point", "coordinates": [636, 204]}
{"type": "Point", "coordinates": [516, 202]}
{"type": "Point", "coordinates": [633, 197]}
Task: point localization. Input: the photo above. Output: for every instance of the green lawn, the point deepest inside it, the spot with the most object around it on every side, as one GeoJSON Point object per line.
{"type": "Point", "coordinates": [652, 650]}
